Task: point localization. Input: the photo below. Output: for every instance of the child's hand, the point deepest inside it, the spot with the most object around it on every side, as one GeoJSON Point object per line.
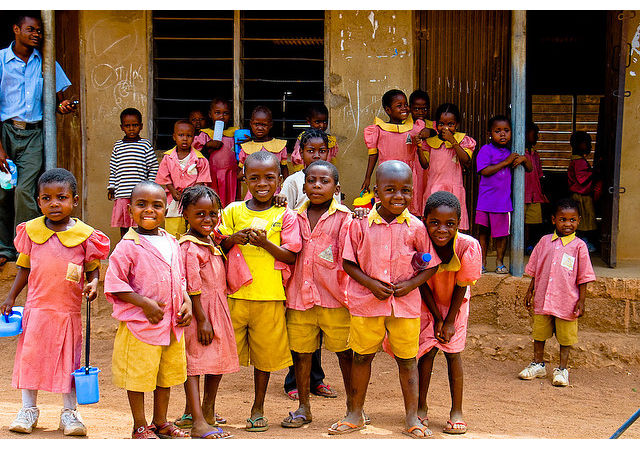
{"type": "Point", "coordinates": [423, 135]}
{"type": "Point", "coordinates": [214, 145]}
{"type": "Point", "coordinates": [153, 310]}
{"type": "Point", "coordinates": [241, 237]}
{"type": "Point", "coordinates": [111, 193]}
{"type": "Point", "coordinates": [258, 238]}
{"type": "Point", "coordinates": [279, 200]}
{"type": "Point", "coordinates": [447, 331]}
{"type": "Point", "coordinates": [6, 306]}
{"type": "Point", "coordinates": [402, 288]}
{"type": "Point", "coordinates": [90, 290]}
{"type": "Point", "coordinates": [380, 289]}
{"type": "Point", "coordinates": [365, 185]}
{"type": "Point", "coordinates": [518, 160]}
{"type": "Point", "coordinates": [447, 135]}
{"type": "Point", "coordinates": [437, 330]}
{"type": "Point", "coordinates": [205, 332]}
{"type": "Point", "coordinates": [579, 309]}
{"type": "Point", "coordinates": [511, 158]}
{"type": "Point", "coordinates": [184, 315]}
{"type": "Point", "coordinates": [527, 299]}
{"type": "Point", "coordinates": [360, 213]}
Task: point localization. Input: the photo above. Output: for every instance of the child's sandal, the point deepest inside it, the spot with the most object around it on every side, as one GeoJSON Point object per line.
{"type": "Point", "coordinates": [185, 421]}
{"type": "Point", "coordinates": [169, 430]}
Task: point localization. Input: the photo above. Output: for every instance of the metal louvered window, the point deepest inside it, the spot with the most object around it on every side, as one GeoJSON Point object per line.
{"type": "Point", "coordinates": [275, 58]}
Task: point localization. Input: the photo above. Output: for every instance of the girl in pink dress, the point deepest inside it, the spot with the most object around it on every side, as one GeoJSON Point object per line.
{"type": "Point", "coordinates": [445, 155]}
{"type": "Point", "coordinates": [443, 321]}
{"type": "Point", "coordinates": [56, 251]}
{"type": "Point", "coordinates": [210, 341]}
{"type": "Point", "coordinates": [394, 140]}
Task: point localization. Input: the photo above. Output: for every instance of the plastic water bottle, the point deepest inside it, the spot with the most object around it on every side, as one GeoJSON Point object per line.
{"type": "Point", "coordinates": [420, 261]}
{"type": "Point", "coordinates": [239, 136]}
{"type": "Point", "coordinates": [9, 180]}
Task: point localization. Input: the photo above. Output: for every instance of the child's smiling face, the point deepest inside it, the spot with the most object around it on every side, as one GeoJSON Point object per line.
{"type": "Point", "coordinates": [398, 110]}
{"type": "Point", "coordinates": [220, 111]}
{"type": "Point", "coordinates": [566, 221]}
{"type": "Point", "coordinates": [314, 149]}
{"type": "Point", "coordinates": [260, 125]}
{"type": "Point", "coordinates": [446, 120]}
{"type": "Point", "coordinates": [500, 133]}
{"type": "Point", "coordinates": [56, 201]}
{"type": "Point", "coordinates": [442, 224]}
{"type": "Point", "coordinates": [147, 207]}
{"type": "Point", "coordinates": [319, 121]}
{"type": "Point", "coordinates": [395, 191]}
{"type": "Point", "coordinates": [319, 185]}
{"type": "Point", "coordinates": [183, 136]}
{"type": "Point", "coordinates": [419, 109]}
{"type": "Point", "coordinates": [263, 179]}
{"type": "Point", "coordinates": [202, 216]}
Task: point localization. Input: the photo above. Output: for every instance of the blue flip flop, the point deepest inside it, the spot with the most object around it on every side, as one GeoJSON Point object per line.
{"type": "Point", "coordinates": [290, 422]}
{"type": "Point", "coordinates": [216, 430]}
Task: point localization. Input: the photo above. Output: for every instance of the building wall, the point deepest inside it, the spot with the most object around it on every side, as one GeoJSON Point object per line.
{"type": "Point", "coordinates": [628, 242]}
{"type": "Point", "coordinates": [114, 60]}
{"type": "Point", "coordinates": [369, 52]}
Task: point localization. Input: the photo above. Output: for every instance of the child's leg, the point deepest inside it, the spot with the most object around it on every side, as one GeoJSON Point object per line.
{"type": "Point", "coordinates": [302, 367]}
{"type": "Point", "coordinates": [200, 426]}
{"type": "Point", "coordinates": [408, 371]}
{"type": "Point", "coordinates": [160, 405]}
{"type": "Point", "coordinates": [345, 360]}
{"type": "Point", "coordinates": [69, 399]}
{"type": "Point", "coordinates": [211, 383]}
{"type": "Point", "coordinates": [564, 355]}
{"type": "Point", "coordinates": [260, 381]}
{"type": "Point", "coordinates": [454, 366]}
{"type": "Point", "coordinates": [29, 398]}
{"type": "Point", "coordinates": [425, 367]}
{"type": "Point", "coordinates": [360, 375]}
{"type": "Point", "coordinates": [136, 403]}
{"type": "Point", "coordinates": [501, 247]}
{"type": "Point", "coordinates": [483, 238]}
{"type": "Point", "coordinates": [538, 351]}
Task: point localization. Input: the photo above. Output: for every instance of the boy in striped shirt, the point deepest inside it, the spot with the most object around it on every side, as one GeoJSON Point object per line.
{"type": "Point", "coordinates": [132, 160]}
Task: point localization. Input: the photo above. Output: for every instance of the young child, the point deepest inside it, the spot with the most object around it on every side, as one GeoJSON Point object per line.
{"type": "Point", "coordinates": [419, 103]}
{"type": "Point", "coordinates": [199, 121]}
{"type": "Point", "coordinates": [560, 269]}
{"type": "Point", "coordinates": [382, 295]}
{"type": "Point", "coordinates": [210, 343]}
{"type": "Point", "coordinates": [269, 238]}
{"type": "Point", "coordinates": [132, 160]}
{"type": "Point", "coordinates": [445, 311]}
{"type": "Point", "coordinates": [494, 163]}
{"type": "Point", "coordinates": [533, 196]}
{"type": "Point", "coordinates": [445, 155]}
{"type": "Point", "coordinates": [146, 286]}
{"type": "Point", "coordinates": [580, 179]}
{"type": "Point", "coordinates": [222, 156]}
{"type": "Point", "coordinates": [318, 119]}
{"type": "Point", "coordinates": [55, 251]}
{"type": "Point", "coordinates": [181, 167]}
{"type": "Point", "coordinates": [393, 140]}
{"type": "Point", "coordinates": [260, 125]}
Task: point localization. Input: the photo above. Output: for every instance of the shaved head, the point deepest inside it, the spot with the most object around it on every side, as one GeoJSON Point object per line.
{"type": "Point", "coordinates": [394, 170]}
{"type": "Point", "coordinates": [148, 186]}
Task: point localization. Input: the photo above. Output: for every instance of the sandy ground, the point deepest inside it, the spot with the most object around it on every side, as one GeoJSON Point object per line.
{"type": "Point", "coordinates": [497, 404]}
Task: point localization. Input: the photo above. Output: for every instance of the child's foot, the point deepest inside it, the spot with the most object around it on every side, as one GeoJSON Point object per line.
{"type": "Point", "coordinates": [418, 432]}
{"type": "Point", "coordinates": [457, 427]}
{"type": "Point", "coordinates": [502, 269]}
{"type": "Point", "coordinates": [560, 377]}
{"type": "Point", "coordinates": [297, 418]}
{"type": "Point", "coordinates": [184, 422]}
{"type": "Point", "coordinates": [206, 431]}
{"type": "Point", "coordinates": [533, 370]}
{"type": "Point", "coordinates": [146, 432]}
{"type": "Point", "coordinates": [169, 430]}
{"type": "Point", "coordinates": [26, 420]}
{"type": "Point", "coordinates": [423, 417]}
{"type": "Point", "coordinates": [257, 422]}
{"type": "Point", "coordinates": [71, 423]}
{"type": "Point", "coordinates": [351, 422]}
{"type": "Point", "coordinates": [324, 390]}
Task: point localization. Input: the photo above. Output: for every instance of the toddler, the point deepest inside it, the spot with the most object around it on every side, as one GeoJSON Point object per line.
{"type": "Point", "coordinates": [419, 103]}
{"type": "Point", "coordinates": [181, 167]}
{"type": "Point", "coordinates": [533, 196]}
{"type": "Point", "coordinates": [132, 160]}
{"type": "Point", "coordinates": [318, 119]}
{"type": "Point", "coordinates": [199, 121]}
{"type": "Point", "coordinates": [146, 286]}
{"type": "Point", "coordinates": [55, 253]}
{"type": "Point", "coordinates": [560, 269]}
{"type": "Point", "coordinates": [580, 179]}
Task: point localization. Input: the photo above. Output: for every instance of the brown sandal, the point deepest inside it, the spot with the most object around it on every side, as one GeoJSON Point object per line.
{"type": "Point", "coordinates": [169, 430]}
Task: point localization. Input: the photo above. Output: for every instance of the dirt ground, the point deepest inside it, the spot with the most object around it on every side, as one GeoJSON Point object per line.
{"type": "Point", "coordinates": [496, 404]}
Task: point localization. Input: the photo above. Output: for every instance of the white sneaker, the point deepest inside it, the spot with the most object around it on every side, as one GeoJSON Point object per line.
{"type": "Point", "coordinates": [26, 420]}
{"type": "Point", "coordinates": [533, 370]}
{"type": "Point", "coordinates": [71, 423]}
{"type": "Point", "coordinates": [560, 377]}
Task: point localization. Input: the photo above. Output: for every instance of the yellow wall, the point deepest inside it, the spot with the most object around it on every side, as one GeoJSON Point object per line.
{"type": "Point", "coordinates": [628, 238]}
{"type": "Point", "coordinates": [114, 56]}
{"type": "Point", "coordinates": [370, 52]}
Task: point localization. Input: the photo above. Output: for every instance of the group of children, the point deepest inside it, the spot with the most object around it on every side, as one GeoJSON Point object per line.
{"type": "Point", "coordinates": [266, 280]}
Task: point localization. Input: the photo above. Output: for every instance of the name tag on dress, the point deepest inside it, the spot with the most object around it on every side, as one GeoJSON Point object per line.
{"type": "Point", "coordinates": [74, 273]}
{"type": "Point", "coordinates": [567, 261]}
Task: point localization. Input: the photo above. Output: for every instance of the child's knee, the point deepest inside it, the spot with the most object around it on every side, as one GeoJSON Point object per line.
{"type": "Point", "coordinates": [362, 359]}
{"type": "Point", "coordinates": [452, 356]}
{"type": "Point", "coordinates": [409, 363]}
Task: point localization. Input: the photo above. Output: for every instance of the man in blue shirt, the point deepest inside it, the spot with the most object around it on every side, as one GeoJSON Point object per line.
{"type": "Point", "coordinates": [21, 85]}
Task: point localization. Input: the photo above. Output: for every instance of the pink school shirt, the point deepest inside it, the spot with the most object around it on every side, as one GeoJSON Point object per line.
{"type": "Point", "coordinates": [494, 192]}
{"type": "Point", "coordinates": [384, 252]}
{"type": "Point", "coordinates": [170, 172]}
{"type": "Point", "coordinates": [464, 269]}
{"type": "Point", "coordinates": [532, 187]}
{"type": "Point", "coordinates": [224, 169]}
{"type": "Point", "coordinates": [137, 266]}
{"type": "Point", "coordinates": [579, 175]}
{"type": "Point", "coordinates": [50, 346]}
{"type": "Point", "coordinates": [205, 275]}
{"type": "Point", "coordinates": [318, 277]}
{"type": "Point", "coordinates": [559, 265]}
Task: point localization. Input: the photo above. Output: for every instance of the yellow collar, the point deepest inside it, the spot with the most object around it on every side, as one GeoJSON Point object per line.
{"type": "Point", "coordinates": [565, 239]}
{"type": "Point", "coordinates": [331, 139]}
{"type": "Point", "coordinates": [405, 126]}
{"type": "Point", "coordinates": [214, 248]}
{"type": "Point", "coordinates": [333, 207]}
{"type": "Point", "coordinates": [374, 216]}
{"type": "Point", "coordinates": [193, 150]}
{"type": "Point", "coordinates": [273, 146]}
{"type": "Point", "coordinates": [436, 142]}
{"type": "Point", "coordinates": [74, 236]}
{"type": "Point", "coordinates": [228, 132]}
{"type": "Point", "coordinates": [454, 265]}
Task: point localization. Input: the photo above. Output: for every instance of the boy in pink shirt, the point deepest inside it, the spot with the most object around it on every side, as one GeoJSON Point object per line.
{"type": "Point", "coordinates": [561, 268]}
{"type": "Point", "coordinates": [146, 286]}
{"type": "Point", "coordinates": [382, 295]}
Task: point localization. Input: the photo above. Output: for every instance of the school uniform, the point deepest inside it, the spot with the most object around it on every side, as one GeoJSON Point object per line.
{"type": "Point", "coordinates": [494, 192]}
{"type": "Point", "coordinates": [580, 179]}
{"type": "Point", "coordinates": [276, 146]}
{"type": "Point", "coordinates": [296, 155]}
{"type": "Point", "coordinates": [222, 163]}
{"type": "Point", "coordinates": [292, 189]}
{"type": "Point", "coordinates": [50, 346]}
{"type": "Point", "coordinates": [533, 196]}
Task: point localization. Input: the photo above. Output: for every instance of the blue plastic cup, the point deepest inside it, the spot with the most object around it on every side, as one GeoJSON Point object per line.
{"type": "Point", "coordinates": [87, 389]}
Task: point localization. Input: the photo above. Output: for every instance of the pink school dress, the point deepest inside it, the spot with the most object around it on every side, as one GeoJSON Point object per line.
{"type": "Point", "coordinates": [50, 346]}
{"type": "Point", "coordinates": [222, 164]}
{"type": "Point", "coordinates": [394, 141]}
{"type": "Point", "coordinates": [464, 269]}
{"type": "Point", "coordinates": [205, 274]}
{"type": "Point", "coordinates": [445, 171]}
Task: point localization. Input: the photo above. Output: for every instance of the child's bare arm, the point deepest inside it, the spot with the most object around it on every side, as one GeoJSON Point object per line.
{"type": "Point", "coordinates": [91, 288]}
{"type": "Point", "coordinates": [422, 158]}
{"type": "Point", "coordinates": [380, 289]}
{"type": "Point", "coordinates": [373, 159]}
{"type": "Point", "coordinates": [259, 239]}
{"type": "Point", "coordinates": [495, 168]}
{"type": "Point", "coordinates": [205, 330]}
{"type": "Point", "coordinates": [529, 295]}
{"type": "Point", "coordinates": [526, 163]}
{"type": "Point", "coordinates": [448, 326]}
{"type": "Point", "coordinates": [582, 294]}
{"type": "Point", "coordinates": [174, 192]}
{"type": "Point", "coordinates": [153, 310]}
{"type": "Point", "coordinates": [427, 298]}
{"type": "Point", "coordinates": [404, 287]}
{"type": "Point", "coordinates": [213, 145]}
{"type": "Point", "coordinates": [18, 285]}
{"type": "Point", "coordinates": [463, 157]}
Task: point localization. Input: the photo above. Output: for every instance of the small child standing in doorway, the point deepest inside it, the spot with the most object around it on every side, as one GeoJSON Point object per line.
{"type": "Point", "coordinates": [580, 179]}
{"type": "Point", "coordinates": [533, 196]}
{"type": "Point", "coordinates": [132, 160]}
{"type": "Point", "coordinates": [560, 268]}
{"type": "Point", "coordinates": [261, 124]}
{"type": "Point", "coordinates": [318, 119]}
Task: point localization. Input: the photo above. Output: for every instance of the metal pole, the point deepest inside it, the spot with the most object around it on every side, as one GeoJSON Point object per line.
{"type": "Point", "coordinates": [49, 102]}
{"type": "Point", "coordinates": [518, 113]}
{"type": "Point", "coordinates": [626, 425]}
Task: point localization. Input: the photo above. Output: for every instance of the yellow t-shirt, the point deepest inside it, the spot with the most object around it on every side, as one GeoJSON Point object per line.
{"type": "Point", "coordinates": [267, 280]}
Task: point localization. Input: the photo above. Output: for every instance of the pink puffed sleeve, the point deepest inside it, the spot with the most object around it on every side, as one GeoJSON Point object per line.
{"type": "Point", "coordinates": [23, 244]}
{"type": "Point", "coordinates": [468, 144]}
{"type": "Point", "coordinates": [371, 136]}
{"type": "Point", "coordinates": [470, 264]}
{"type": "Point", "coordinates": [164, 175]}
{"type": "Point", "coordinates": [191, 261]}
{"type": "Point", "coordinates": [204, 174]}
{"type": "Point", "coordinates": [296, 156]}
{"type": "Point", "coordinates": [242, 157]}
{"type": "Point", "coordinates": [116, 279]}
{"type": "Point", "coordinates": [200, 140]}
{"type": "Point", "coordinates": [290, 239]}
{"type": "Point", "coordinates": [282, 156]}
{"type": "Point", "coordinates": [353, 239]}
{"type": "Point", "coordinates": [96, 248]}
{"type": "Point", "coordinates": [418, 126]}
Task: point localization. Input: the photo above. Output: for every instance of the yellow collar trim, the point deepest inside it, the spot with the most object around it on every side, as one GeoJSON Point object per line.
{"type": "Point", "coordinates": [333, 207]}
{"type": "Point", "coordinates": [436, 142]}
{"type": "Point", "coordinates": [132, 235]}
{"type": "Point", "coordinates": [74, 236]}
{"type": "Point", "coordinates": [374, 216]}
{"type": "Point", "coordinates": [229, 131]}
{"type": "Point", "coordinates": [565, 239]}
{"type": "Point", "coordinates": [454, 265]}
{"type": "Point", "coordinates": [273, 146]}
{"type": "Point", "coordinates": [193, 150]}
{"type": "Point", "coordinates": [405, 126]}
{"type": "Point", "coordinates": [331, 139]}
{"type": "Point", "coordinates": [187, 237]}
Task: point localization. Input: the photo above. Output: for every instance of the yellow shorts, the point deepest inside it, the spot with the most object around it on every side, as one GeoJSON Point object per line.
{"type": "Point", "coordinates": [304, 329]}
{"type": "Point", "coordinates": [141, 367]}
{"type": "Point", "coordinates": [532, 213]}
{"type": "Point", "coordinates": [175, 226]}
{"type": "Point", "coordinates": [367, 333]}
{"type": "Point", "coordinates": [261, 333]}
{"type": "Point", "coordinates": [544, 327]}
